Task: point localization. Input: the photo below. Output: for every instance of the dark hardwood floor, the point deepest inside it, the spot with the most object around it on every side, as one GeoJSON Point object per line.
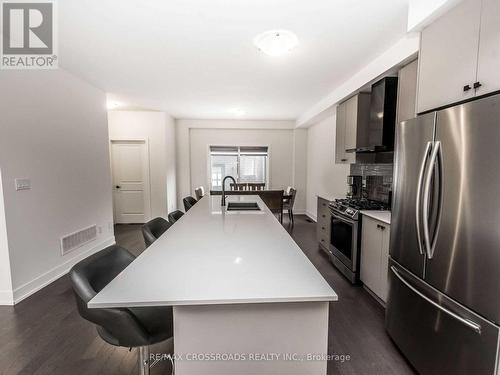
{"type": "Point", "coordinates": [45, 335]}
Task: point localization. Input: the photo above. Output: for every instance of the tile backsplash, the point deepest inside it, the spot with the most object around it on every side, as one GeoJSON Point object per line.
{"type": "Point", "coordinates": [377, 180]}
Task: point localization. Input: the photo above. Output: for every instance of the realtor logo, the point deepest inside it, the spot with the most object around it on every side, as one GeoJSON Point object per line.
{"type": "Point", "coordinates": [28, 35]}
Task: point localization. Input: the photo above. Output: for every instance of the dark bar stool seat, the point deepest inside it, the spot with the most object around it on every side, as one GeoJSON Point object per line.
{"type": "Point", "coordinates": [127, 327]}
{"type": "Point", "coordinates": [153, 229]}
{"type": "Point", "coordinates": [188, 203]}
{"type": "Point", "coordinates": [174, 216]}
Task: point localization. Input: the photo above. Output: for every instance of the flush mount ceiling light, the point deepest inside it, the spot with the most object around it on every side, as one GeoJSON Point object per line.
{"type": "Point", "coordinates": [276, 42]}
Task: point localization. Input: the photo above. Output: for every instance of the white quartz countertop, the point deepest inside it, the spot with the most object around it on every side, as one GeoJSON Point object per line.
{"type": "Point", "coordinates": [214, 256]}
{"type": "Point", "coordinates": [384, 216]}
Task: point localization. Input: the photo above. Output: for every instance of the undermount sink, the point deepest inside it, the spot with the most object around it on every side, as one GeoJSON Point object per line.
{"type": "Point", "coordinates": [242, 206]}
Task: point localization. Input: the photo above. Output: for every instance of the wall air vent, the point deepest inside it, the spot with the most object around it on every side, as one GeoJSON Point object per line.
{"type": "Point", "coordinates": [74, 240]}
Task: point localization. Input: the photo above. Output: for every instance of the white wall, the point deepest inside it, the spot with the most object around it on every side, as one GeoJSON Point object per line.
{"type": "Point", "coordinates": [287, 151]}
{"type": "Point", "coordinates": [300, 168]}
{"type": "Point", "coordinates": [158, 128]}
{"type": "Point", "coordinates": [53, 131]}
{"type": "Point", "coordinates": [6, 295]}
{"type": "Point", "coordinates": [423, 12]}
{"type": "Point", "coordinates": [324, 177]}
{"type": "Point", "coordinates": [399, 54]}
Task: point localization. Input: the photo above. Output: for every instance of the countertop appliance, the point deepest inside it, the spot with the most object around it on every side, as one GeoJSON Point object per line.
{"type": "Point", "coordinates": [345, 232]}
{"type": "Point", "coordinates": [443, 309]}
{"type": "Point", "coordinates": [379, 135]}
{"type": "Point", "coordinates": [354, 186]}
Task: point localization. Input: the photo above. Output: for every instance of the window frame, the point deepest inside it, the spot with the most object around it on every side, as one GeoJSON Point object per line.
{"type": "Point", "coordinates": [238, 155]}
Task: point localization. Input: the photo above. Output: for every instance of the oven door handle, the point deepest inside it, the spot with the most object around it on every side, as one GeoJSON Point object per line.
{"type": "Point", "coordinates": [345, 220]}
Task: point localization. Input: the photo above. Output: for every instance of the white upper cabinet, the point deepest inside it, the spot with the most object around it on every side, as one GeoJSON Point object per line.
{"type": "Point", "coordinates": [460, 55]}
{"type": "Point", "coordinates": [488, 66]}
{"type": "Point", "coordinates": [448, 57]}
{"type": "Point", "coordinates": [341, 157]}
{"type": "Point", "coordinates": [407, 91]}
{"type": "Point", "coordinates": [352, 116]}
{"type": "Point", "coordinates": [351, 122]}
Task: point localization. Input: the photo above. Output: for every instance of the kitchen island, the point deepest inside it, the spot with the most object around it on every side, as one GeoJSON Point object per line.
{"type": "Point", "coordinates": [240, 288]}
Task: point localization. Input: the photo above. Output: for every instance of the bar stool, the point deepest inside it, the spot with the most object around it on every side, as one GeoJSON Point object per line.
{"type": "Point", "coordinates": [153, 229]}
{"type": "Point", "coordinates": [128, 327]}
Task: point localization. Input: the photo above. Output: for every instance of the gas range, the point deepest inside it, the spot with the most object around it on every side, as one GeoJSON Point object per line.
{"type": "Point", "coordinates": [350, 207]}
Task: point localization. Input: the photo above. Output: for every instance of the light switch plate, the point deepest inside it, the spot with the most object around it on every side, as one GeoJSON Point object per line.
{"type": "Point", "coordinates": [23, 184]}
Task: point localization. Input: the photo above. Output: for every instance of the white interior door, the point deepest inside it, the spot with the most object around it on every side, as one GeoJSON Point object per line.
{"type": "Point", "coordinates": [131, 197]}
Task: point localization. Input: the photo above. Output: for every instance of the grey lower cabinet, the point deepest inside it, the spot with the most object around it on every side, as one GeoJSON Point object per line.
{"type": "Point", "coordinates": [323, 224]}
{"type": "Point", "coordinates": [375, 237]}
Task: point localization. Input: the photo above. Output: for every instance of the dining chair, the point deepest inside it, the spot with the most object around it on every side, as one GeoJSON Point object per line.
{"type": "Point", "coordinates": [256, 185]}
{"type": "Point", "coordinates": [134, 327]}
{"type": "Point", "coordinates": [274, 201]}
{"type": "Point", "coordinates": [199, 192]}
{"type": "Point", "coordinates": [241, 186]}
{"type": "Point", "coordinates": [153, 229]}
{"type": "Point", "coordinates": [289, 202]}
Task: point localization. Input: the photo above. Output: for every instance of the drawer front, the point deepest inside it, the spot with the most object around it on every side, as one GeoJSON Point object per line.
{"type": "Point", "coordinates": [323, 232]}
{"type": "Point", "coordinates": [323, 223]}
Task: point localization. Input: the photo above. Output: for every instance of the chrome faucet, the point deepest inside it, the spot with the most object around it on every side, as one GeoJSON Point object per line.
{"type": "Point", "coordinates": [223, 200]}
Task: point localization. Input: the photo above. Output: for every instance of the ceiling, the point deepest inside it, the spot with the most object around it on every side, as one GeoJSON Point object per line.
{"type": "Point", "coordinates": [196, 59]}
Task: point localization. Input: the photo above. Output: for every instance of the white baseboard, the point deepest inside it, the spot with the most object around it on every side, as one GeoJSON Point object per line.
{"type": "Point", "coordinates": [299, 212]}
{"type": "Point", "coordinates": [312, 217]}
{"type": "Point", "coordinates": [55, 273]}
{"type": "Point", "coordinates": [6, 298]}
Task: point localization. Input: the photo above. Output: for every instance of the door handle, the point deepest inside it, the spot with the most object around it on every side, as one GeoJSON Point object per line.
{"type": "Point", "coordinates": [419, 194]}
{"type": "Point", "coordinates": [425, 211]}
{"type": "Point", "coordinates": [469, 323]}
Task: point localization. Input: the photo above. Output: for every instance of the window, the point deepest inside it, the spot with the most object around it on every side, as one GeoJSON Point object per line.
{"type": "Point", "coordinates": [245, 164]}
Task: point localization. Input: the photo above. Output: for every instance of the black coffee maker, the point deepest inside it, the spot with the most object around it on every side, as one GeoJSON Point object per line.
{"type": "Point", "coordinates": [354, 187]}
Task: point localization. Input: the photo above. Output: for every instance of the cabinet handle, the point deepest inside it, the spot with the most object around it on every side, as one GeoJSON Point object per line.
{"type": "Point", "coordinates": [467, 88]}
{"type": "Point", "coordinates": [323, 215]}
{"type": "Point", "coordinates": [323, 228]}
{"type": "Point", "coordinates": [343, 159]}
{"type": "Point", "coordinates": [322, 240]}
{"type": "Point", "coordinates": [477, 85]}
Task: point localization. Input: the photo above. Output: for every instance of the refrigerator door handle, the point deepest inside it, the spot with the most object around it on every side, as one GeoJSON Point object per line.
{"type": "Point", "coordinates": [418, 203]}
{"type": "Point", "coordinates": [429, 246]}
{"type": "Point", "coordinates": [469, 323]}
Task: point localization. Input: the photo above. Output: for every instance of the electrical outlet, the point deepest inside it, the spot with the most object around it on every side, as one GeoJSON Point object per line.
{"type": "Point", "coordinates": [22, 183]}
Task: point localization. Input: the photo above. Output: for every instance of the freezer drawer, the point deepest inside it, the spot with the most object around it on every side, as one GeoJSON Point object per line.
{"type": "Point", "coordinates": [437, 340]}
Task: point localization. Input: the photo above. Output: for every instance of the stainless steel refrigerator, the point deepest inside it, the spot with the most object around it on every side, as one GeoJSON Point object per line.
{"type": "Point", "coordinates": [443, 309]}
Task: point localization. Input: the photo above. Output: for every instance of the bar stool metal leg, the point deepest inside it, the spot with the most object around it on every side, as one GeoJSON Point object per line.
{"type": "Point", "coordinates": [144, 360]}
